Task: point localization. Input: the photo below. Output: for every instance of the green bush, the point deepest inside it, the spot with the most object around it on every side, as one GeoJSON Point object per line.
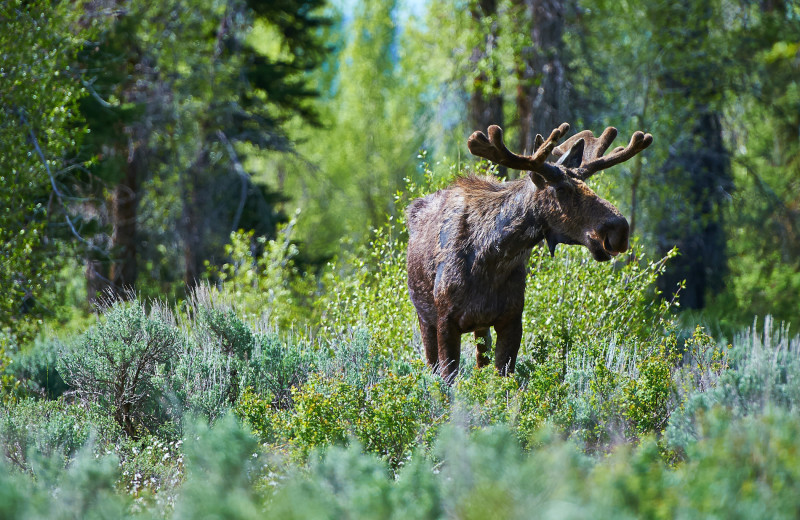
{"type": "Point", "coordinates": [390, 417]}
{"type": "Point", "coordinates": [53, 429]}
{"type": "Point", "coordinates": [262, 281]}
{"type": "Point", "coordinates": [275, 366]}
{"type": "Point", "coordinates": [36, 369]}
{"type": "Point", "coordinates": [760, 370]}
{"type": "Point", "coordinates": [116, 362]}
{"type": "Point", "coordinates": [206, 376]}
{"type": "Point", "coordinates": [368, 290]}
{"type": "Point", "coordinates": [325, 412]}
{"type": "Point", "coordinates": [402, 413]}
{"type": "Point", "coordinates": [223, 466]}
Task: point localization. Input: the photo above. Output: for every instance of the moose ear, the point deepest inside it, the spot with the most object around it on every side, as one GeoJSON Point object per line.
{"type": "Point", "coordinates": [538, 180]}
{"type": "Point", "coordinates": [574, 157]}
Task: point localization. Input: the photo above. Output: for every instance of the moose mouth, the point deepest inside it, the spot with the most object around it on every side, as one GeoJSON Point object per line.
{"type": "Point", "coordinates": [601, 250]}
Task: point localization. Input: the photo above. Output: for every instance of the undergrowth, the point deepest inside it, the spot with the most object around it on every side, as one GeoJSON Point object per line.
{"type": "Point", "coordinates": [275, 393]}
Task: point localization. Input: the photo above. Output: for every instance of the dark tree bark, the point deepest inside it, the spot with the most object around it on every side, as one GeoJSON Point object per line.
{"type": "Point", "coordinates": [125, 205]}
{"type": "Point", "coordinates": [486, 101]}
{"type": "Point", "coordinates": [704, 164]}
{"type": "Point", "coordinates": [696, 177]}
{"type": "Point", "coordinates": [542, 92]}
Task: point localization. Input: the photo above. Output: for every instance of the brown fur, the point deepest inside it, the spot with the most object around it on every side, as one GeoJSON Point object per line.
{"type": "Point", "coordinates": [469, 247]}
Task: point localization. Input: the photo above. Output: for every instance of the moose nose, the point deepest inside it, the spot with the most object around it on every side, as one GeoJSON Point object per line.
{"type": "Point", "coordinates": [615, 235]}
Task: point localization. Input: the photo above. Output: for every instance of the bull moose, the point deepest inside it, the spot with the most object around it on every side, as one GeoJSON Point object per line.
{"type": "Point", "coordinates": [469, 244]}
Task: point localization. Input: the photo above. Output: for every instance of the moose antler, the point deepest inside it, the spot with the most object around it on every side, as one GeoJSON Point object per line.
{"type": "Point", "coordinates": [594, 147]}
{"type": "Point", "coordinates": [495, 150]}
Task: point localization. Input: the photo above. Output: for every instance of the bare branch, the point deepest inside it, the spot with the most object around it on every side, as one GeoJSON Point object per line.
{"type": "Point", "coordinates": [59, 195]}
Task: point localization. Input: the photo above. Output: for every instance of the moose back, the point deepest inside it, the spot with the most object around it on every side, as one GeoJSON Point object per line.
{"type": "Point", "coordinates": [469, 244]}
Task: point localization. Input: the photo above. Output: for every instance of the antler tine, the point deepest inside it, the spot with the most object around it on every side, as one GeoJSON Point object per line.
{"type": "Point", "coordinates": [543, 152]}
{"type": "Point", "coordinates": [512, 160]}
{"type": "Point", "coordinates": [639, 141]}
{"type": "Point", "coordinates": [594, 147]}
{"type": "Point", "coordinates": [494, 149]}
{"type": "Point", "coordinates": [480, 146]}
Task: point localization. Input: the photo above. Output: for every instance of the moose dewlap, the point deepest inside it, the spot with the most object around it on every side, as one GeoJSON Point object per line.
{"type": "Point", "coordinates": [469, 244]}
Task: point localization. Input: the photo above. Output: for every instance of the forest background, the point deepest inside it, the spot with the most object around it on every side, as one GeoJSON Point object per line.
{"type": "Point", "coordinates": [202, 241]}
{"type": "Point", "coordinates": [136, 139]}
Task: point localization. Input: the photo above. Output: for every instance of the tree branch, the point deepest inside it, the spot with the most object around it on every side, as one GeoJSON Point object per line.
{"type": "Point", "coordinates": [59, 195]}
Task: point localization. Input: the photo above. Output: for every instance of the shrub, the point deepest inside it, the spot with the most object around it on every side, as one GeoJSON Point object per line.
{"type": "Point", "coordinates": [368, 290]}
{"type": "Point", "coordinates": [571, 301]}
{"type": "Point", "coordinates": [486, 398]}
{"type": "Point", "coordinates": [36, 369]}
{"type": "Point", "coordinates": [53, 429]}
{"type": "Point", "coordinates": [262, 281]}
{"type": "Point", "coordinates": [116, 362]}
{"type": "Point", "coordinates": [760, 370]}
{"type": "Point", "coordinates": [207, 375]}
{"type": "Point", "coordinates": [223, 464]}
{"type": "Point", "coordinates": [389, 417]}
{"type": "Point", "coordinates": [276, 366]}
{"type": "Point", "coordinates": [151, 472]}
{"type": "Point", "coordinates": [402, 412]}
{"type": "Point", "coordinates": [325, 413]}
{"type": "Point", "coordinates": [355, 357]}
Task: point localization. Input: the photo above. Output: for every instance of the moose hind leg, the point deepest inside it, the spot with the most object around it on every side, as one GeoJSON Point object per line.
{"type": "Point", "coordinates": [449, 339]}
{"type": "Point", "coordinates": [509, 336]}
{"type": "Point", "coordinates": [483, 344]}
{"type": "Point", "coordinates": [429, 343]}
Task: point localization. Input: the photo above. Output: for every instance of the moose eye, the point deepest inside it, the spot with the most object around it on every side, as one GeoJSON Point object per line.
{"type": "Point", "coordinates": [563, 188]}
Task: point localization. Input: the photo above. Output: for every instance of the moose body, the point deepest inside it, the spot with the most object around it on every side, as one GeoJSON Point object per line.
{"type": "Point", "coordinates": [469, 244]}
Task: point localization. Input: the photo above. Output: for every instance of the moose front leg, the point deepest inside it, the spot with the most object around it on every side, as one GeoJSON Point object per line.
{"type": "Point", "coordinates": [483, 343]}
{"type": "Point", "coordinates": [448, 337]}
{"type": "Point", "coordinates": [509, 336]}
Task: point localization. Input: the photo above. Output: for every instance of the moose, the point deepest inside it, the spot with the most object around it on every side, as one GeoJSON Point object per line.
{"type": "Point", "coordinates": [469, 244]}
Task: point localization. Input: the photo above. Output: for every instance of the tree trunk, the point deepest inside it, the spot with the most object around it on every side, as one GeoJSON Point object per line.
{"type": "Point", "coordinates": [125, 204]}
{"type": "Point", "coordinates": [543, 90]}
{"type": "Point", "coordinates": [486, 101]}
{"type": "Point", "coordinates": [191, 224]}
{"type": "Point", "coordinates": [704, 164]}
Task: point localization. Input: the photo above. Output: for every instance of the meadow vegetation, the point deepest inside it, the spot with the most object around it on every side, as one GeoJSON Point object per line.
{"type": "Point", "coordinates": [267, 396]}
{"type": "Point", "coordinates": [203, 302]}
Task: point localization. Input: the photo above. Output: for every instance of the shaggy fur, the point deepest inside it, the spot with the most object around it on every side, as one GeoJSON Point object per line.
{"type": "Point", "coordinates": [469, 244]}
{"type": "Point", "coordinates": [468, 250]}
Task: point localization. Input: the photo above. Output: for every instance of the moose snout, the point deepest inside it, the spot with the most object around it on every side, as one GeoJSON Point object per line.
{"type": "Point", "coordinates": [614, 234]}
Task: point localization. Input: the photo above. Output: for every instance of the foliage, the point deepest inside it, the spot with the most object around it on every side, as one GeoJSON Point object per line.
{"type": "Point", "coordinates": [221, 466]}
{"type": "Point", "coordinates": [759, 371]}
{"type": "Point", "coordinates": [206, 375]}
{"type": "Point", "coordinates": [35, 369]}
{"type": "Point", "coordinates": [151, 471]}
{"type": "Point", "coordinates": [367, 295]}
{"type": "Point", "coordinates": [116, 363]}
{"type": "Point", "coordinates": [266, 286]}
{"type": "Point", "coordinates": [390, 418]}
{"type": "Point", "coordinates": [38, 131]}
{"type": "Point", "coordinates": [349, 169]}
{"type": "Point", "coordinates": [33, 430]}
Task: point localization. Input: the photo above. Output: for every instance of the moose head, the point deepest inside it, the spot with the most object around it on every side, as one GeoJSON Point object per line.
{"type": "Point", "coordinates": [469, 244]}
{"type": "Point", "coordinates": [575, 214]}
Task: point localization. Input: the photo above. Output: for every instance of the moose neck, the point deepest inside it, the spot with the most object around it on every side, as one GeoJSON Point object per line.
{"type": "Point", "coordinates": [506, 223]}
